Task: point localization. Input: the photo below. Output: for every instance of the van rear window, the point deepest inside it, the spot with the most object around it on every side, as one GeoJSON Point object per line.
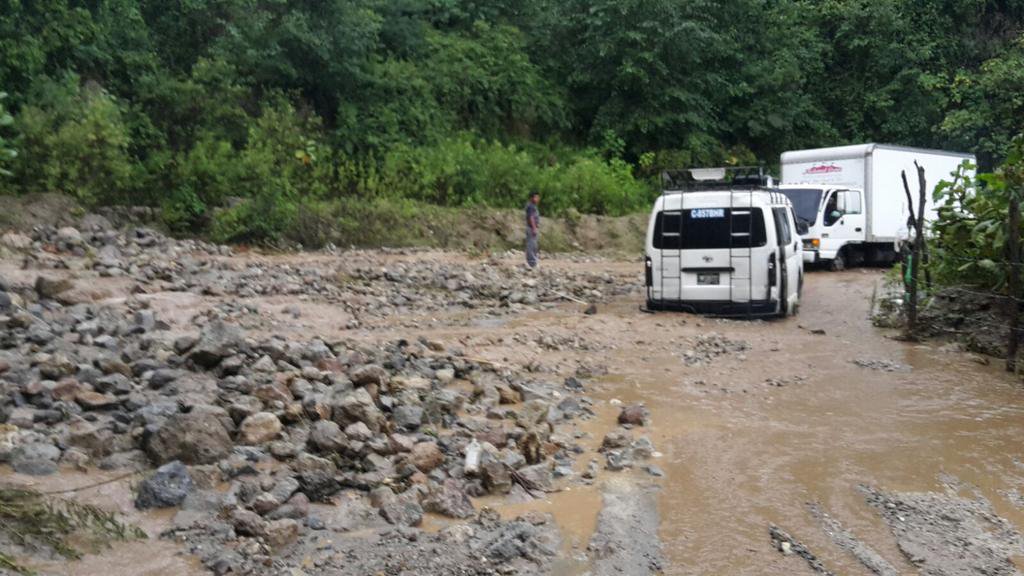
{"type": "Point", "coordinates": [709, 228]}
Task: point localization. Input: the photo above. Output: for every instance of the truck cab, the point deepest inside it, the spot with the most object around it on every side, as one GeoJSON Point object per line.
{"type": "Point", "coordinates": [724, 250]}
{"type": "Point", "coordinates": [834, 218]}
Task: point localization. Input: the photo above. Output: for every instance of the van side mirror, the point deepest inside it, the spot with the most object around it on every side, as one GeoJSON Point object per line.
{"type": "Point", "coordinates": [802, 228]}
{"type": "Point", "coordinates": [836, 215]}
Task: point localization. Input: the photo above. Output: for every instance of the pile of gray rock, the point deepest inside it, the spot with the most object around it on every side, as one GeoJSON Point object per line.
{"type": "Point", "coordinates": [248, 435]}
{"type": "Point", "coordinates": [277, 425]}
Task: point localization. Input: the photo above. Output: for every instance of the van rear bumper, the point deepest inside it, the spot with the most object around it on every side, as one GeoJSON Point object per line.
{"type": "Point", "coordinates": [717, 307]}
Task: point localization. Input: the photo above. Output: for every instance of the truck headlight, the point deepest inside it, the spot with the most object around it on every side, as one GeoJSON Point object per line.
{"type": "Point", "coordinates": [812, 243]}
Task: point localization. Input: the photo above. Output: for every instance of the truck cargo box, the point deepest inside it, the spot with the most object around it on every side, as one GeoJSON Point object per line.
{"type": "Point", "coordinates": [875, 169]}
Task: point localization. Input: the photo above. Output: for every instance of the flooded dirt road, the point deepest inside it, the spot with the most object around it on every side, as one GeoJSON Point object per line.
{"type": "Point", "coordinates": [789, 427]}
{"type": "Point", "coordinates": [750, 439]}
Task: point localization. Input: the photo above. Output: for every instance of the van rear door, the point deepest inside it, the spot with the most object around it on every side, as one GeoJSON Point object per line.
{"type": "Point", "coordinates": [703, 253]}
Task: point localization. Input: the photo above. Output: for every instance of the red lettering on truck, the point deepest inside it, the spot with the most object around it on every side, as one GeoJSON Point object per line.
{"type": "Point", "coordinates": [823, 169]}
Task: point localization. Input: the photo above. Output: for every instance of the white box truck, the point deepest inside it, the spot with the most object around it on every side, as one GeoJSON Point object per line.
{"type": "Point", "coordinates": [852, 200]}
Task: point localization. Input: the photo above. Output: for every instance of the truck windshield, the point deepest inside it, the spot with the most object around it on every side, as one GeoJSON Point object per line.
{"type": "Point", "coordinates": [709, 228]}
{"type": "Point", "coordinates": [805, 203]}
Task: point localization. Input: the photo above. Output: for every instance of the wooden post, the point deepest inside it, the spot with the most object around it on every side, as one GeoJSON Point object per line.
{"type": "Point", "coordinates": [908, 259]}
{"type": "Point", "coordinates": [1013, 237]}
{"type": "Point", "coordinates": [917, 248]}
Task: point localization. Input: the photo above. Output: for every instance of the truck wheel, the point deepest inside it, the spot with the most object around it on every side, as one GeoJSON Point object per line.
{"type": "Point", "coordinates": [839, 262]}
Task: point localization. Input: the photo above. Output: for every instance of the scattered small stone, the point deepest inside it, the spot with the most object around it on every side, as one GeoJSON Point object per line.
{"type": "Point", "coordinates": [786, 544]}
{"type": "Point", "coordinates": [881, 365]}
{"type": "Point", "coordinates": [166, 487]}
{"type": "Point", "coordinates": [633, 415]}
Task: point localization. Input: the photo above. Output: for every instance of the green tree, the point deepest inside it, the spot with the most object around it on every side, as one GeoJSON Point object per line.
{"type": "Point", "coordinates": [487, 82]}
{"type": "Point", "coordinates": [989, 106]}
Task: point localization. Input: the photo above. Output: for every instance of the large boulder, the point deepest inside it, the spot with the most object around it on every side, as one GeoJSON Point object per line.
{"type": "Point", "coordinates": [327, 436]}
{"type": "Point", "coordinates": [35, 459]}
{"type": "Point", "coordinates": [50, 288]}
{"type": "Point", "coordinates": [94, 440]}
{"type": "Point", "coordinates": [259, 428]}
{"type": "Point", "coordinates": [15, 241]}
{"type": "Point", "coordinates": [426, 456]}
{"type": "Point", "coordinates": [449, 499]}
{"type": "Point", "coordinates": [357, 406]}
{"type": "Point", "coordinates": [496, 476]}
{"type": "Point", "coordinates": [408, 417]}
{"type": "Point", "coordinates": [400, 510]}
{"type": "Point", "coordinates": [197, 437]}
{"type": "Point", "coordinates": [633, 415]}
{"type": "Point", "coordinates": [280, 534]}
{"type": "Point", "coordinates": [167, 487]}
{"type": "Point", "coordinates": [217, 341]}
{"type": "Point", "coordinates": [69, 236]}
{"type": "Point", "coordinates": [369, 374]}
{"type": "Point", "coordinates": [316, 477]}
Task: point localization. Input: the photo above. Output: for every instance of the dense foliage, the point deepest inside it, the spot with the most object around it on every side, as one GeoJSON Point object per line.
{"type": "Point", "coordinates": [970, 244]}
{"type": "Point", "coordinates": [237, 116]}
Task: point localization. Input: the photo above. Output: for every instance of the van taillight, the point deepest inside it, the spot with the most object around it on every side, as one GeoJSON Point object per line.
{"type": "Point", "coordinates": [648, 271]}
{"type": "Point", "coordinates": [771, 270]}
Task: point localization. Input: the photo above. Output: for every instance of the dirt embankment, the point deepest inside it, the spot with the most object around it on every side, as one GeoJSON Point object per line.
{"type": "Point", "coordinates": [971, 317]}
{"type": "Point", "coordinates": [376, 224]}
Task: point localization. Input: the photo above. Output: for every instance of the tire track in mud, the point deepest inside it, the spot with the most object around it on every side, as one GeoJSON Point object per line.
{"type": "Point", "coordinates": [626, 540]}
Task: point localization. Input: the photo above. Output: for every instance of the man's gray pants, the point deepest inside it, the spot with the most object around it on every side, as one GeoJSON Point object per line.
{"type": "Point", "coordinates": [532, 250]}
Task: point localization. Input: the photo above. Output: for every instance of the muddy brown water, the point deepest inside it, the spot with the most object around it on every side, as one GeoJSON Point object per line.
{"type": "Point", "coordinates": [152, 556]}
{"type": "Point", "coordinates": [739, 452]}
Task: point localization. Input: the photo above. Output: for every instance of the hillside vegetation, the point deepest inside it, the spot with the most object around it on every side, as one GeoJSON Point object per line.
{"type": "Point", "coordinates": [247, 120]}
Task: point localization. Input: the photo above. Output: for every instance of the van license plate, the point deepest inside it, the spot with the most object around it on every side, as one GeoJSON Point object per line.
{"type": "Point", "coordinates": [707, 278]}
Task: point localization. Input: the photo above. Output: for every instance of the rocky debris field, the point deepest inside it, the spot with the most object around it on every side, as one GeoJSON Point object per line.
{"type": "Point", "coordinates": [946, 534]}
{"type": "Point", "coordinates": [939, 534]}
{"type": "Point", "coordinates": [287, 452]}
{"type": "Point", "coordinates": [371, 286]}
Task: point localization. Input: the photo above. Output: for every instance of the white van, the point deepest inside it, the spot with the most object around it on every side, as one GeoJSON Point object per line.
{"type": "Point", "coordinates": [732, 251]}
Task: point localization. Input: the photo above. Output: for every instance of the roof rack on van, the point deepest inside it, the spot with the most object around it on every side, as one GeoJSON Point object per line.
{"type": "Point", "coordinates": [723, 178]}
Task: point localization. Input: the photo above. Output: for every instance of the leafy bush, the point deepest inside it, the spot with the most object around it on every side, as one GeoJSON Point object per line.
{"type": "Point", "coordinates": [284, 163]}
{"type": "Point", "coordinates": [205, 177]}
{"type": "Point", "coordinates": [73, 140]}
{"type": "Point", "coordinates": [465, 171]}
{"type": "Point", "coordinates": [970, 244]}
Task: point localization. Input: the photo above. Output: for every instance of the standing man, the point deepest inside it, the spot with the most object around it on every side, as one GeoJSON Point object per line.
{"type": "Point", "coordinates": [532, 229]}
